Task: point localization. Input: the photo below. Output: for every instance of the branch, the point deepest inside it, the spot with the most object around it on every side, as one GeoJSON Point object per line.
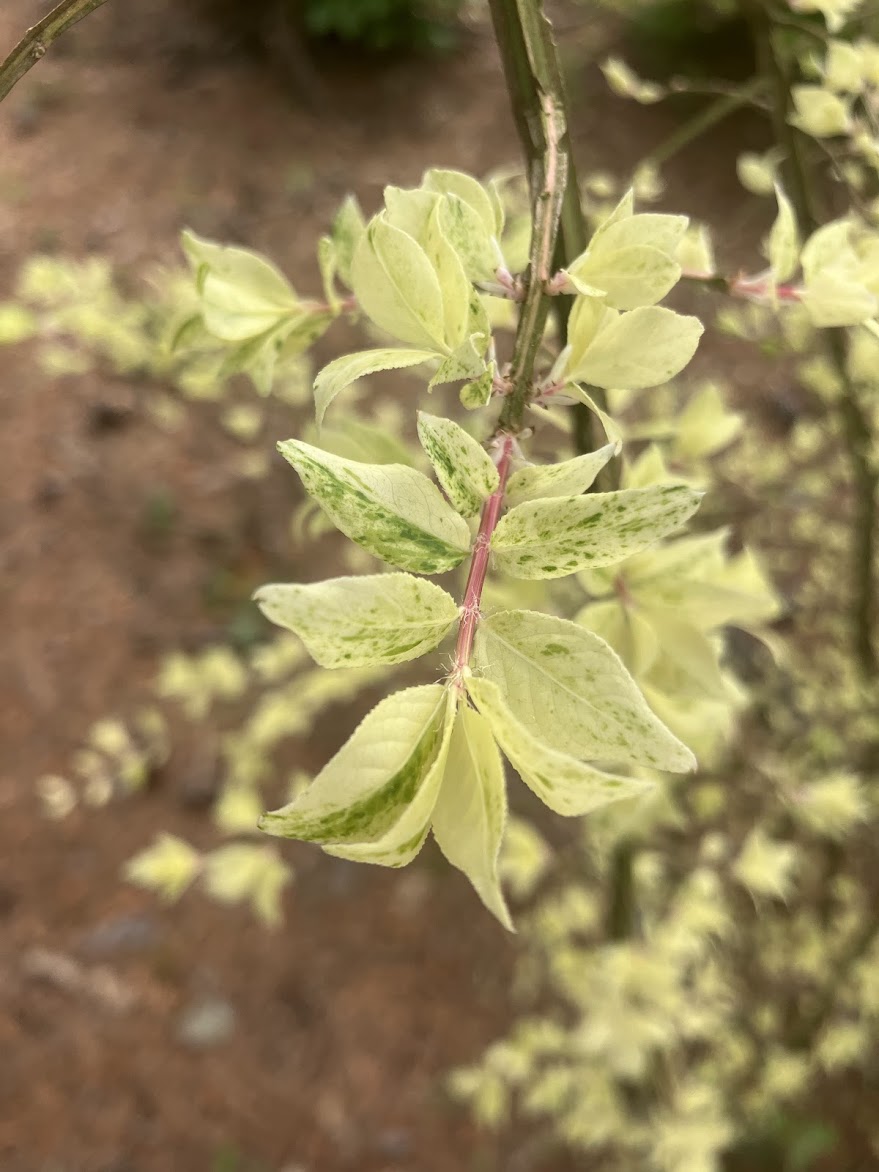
{"type": "Point", "coordinates": [36, 40]}
{"type": "Point", "coordinates": [856, 422]}
{"type": "Point", "coordinates": [701, 123]}
{"type": "Point", "coordinates": [532, 73]}
{"type": "Point", "coordinates": [470, 607]}
{"type": "Point", "coordinates": [546, 213]}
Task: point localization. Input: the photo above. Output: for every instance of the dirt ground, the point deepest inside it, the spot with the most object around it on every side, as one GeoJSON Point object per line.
{"type": "Point", "coordinates": [345, 1021]}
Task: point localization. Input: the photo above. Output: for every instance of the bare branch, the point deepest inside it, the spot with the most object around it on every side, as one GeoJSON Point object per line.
{"type": "Point", "coordinates": [36, 41]}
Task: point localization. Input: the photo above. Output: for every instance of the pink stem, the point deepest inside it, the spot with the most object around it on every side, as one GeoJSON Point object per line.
{"type": "Point", "coordinates": [470, 612]}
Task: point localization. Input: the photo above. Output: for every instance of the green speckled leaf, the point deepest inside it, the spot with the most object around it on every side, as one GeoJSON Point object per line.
{"type": "Point", "coordinates": [463, 468]}
{"type": "Point", "coordinates": [571, 691]}
{"type": "Point", "coordinates": [362, 793]}
{"type": "Point", "coordinates": [363, 621]}
{"type": "Point", "coordinates": [471, 812]}
{"type": "Point", "coordinates": [552, 538]}
{"type": "Point", "coordinates": [566, 785]}
{"type": "Point", "coordinates": [569, 478]}
{"type": "Point", "coordinates": [338, 375]}
{"type": "Point", "coordinates": [394, 512]}
{"type": "Point", "coordinates": [404, 839]}
{"type": "Point", "coordinates": [477, 393]}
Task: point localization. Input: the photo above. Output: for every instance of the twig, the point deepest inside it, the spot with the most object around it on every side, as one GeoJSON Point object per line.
{"type": "Point", "coordinates": [546, 212]}
{"type": "Point", "coordinates": [856, 424]}
{"type": "Point", "coordinates": [470, 607]}
{"type": "Point", "coordinates": [531, 70]}
{"type": "Point", "coordinates": [708, 117]}
{"type": "Point", "coordinates": [36, 41]}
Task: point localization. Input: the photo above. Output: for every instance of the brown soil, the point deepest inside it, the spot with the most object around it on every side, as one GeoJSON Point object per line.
{"type": "Point", "coordinates": [347, 1019]}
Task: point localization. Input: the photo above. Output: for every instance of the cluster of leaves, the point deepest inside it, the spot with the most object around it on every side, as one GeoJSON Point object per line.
{"type": "Point", "coordinates": [546, 691]}
{"type": "Point", "coordinates": [750, 987]}
{"type": "Point", "coordinates": [81, 318]}
{"type": "Point", "coordinates": [281, 697]}
{"type": "Point", "coordinates": [738, 987]}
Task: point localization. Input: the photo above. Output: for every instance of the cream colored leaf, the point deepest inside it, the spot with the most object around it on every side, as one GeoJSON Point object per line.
{"type": "Point", "coordinates": [568, 478]}
{"type": "Point", "coordinates": [691, 652]}
{"type": "Point", "coordinates": [630, 277]}
{"type": "Point", "coordinates": [470, 813]}
{"type": "Point", "coordinates": [348, 227]}
{"type": "Point", "coordinates": [397, 287]}
{"type": "Point", "coordinates": [704, 426]}
{"type": "Point", "coordinates": [783, 245]}
{"type": "Point", "coordinates": [819, 112]}
{"type": "Point", "coordinates": [625, 83]}
{"type": "Point", "coordinates": [564, 784]}
{"type": "Point", "coordinates": [242, 294]}
{"type": "Point", "coordinates": [473, 242]}
{"type": "Point", "coordinates": [393, 511]}
{"type": "Point", "coordinates": [167, 867]}
{"type": "Point", "coordinates": [572, 691]}
{"type": "Point", "coordinates": [626, 631]}
{"type": "Point", "coordinates": [466, 188]}
{"type": "Point", "coordinates": [454, 285]}
{"type": "Point", "coordinates": [833, 301]}
{"type": "Point", "coordinates": [362, 621]}
{"type": "Point", "coordinates": [642, 348]}
{"type": "Point", "coordinates": [342, 372]}
{"type": "Point", "coordinates": [611, 430]}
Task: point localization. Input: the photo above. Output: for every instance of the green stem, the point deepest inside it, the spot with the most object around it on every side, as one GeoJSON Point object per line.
{"type": "Point", "coordinates": [36, 40]}
{"type": "Point", "coordinates": [534, 82]}
{"type": "Point", "coordinates": [708, 117]}
{"type": "Point", "coordinates": [856, 423]}
{"type": "Point", "coordinates": [532, 72]}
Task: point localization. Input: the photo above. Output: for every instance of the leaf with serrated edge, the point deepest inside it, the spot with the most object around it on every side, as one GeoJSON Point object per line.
{"type": "Point", "coordinates": [552, 538]}
{"type": "Point", "coordinates": [394, 512]}
{"type": "Point", "coordinates": [566, 785]}
{"type": "Point", "coordinates": [573, 692]}
{"type": "Point", "coordinates": [362, 621]}
{"type": "Point", "coordinates": [404, 839]}
{"type": "Point", "coordinates": [396, 286]}
{"type": "Point", "coordinates": [364, 790]}
{"type": "Point", "coordinates": [568, 478]}
{"type": "Point", "coordinates": [463, 468]}
{"type": "Point", "coordinates": [341, 373]}
{"type": "Point", "coordinates": [471, 811]}
{"type": "Point", "coordinates": [642, 348]}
